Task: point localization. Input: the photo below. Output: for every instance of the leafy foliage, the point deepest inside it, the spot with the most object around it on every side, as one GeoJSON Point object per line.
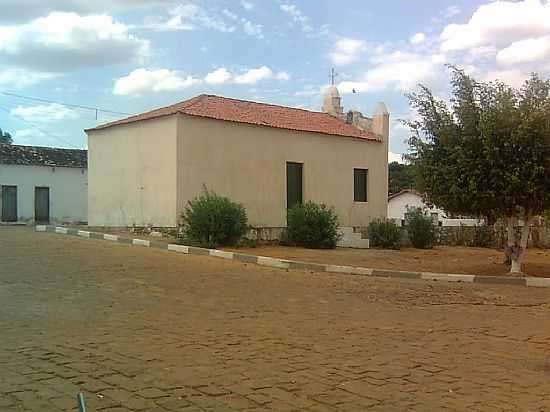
{"type": "Point", "coordinates": [5, 137]}
{"type": "Point", "coordinates": [313, 226]}
{"type": "Point", "coordinates": [384, 234]}
{"type": "Point", "coordinates": [211, 221]}
{"type": "Point", "coordinates": [487, 153]}
{"type": "Point", "coordinates": [484, 236]}
{"type": "Point", "coordinates": [420, 228]}
{"type": "Point", "coordinates": [401, 176]}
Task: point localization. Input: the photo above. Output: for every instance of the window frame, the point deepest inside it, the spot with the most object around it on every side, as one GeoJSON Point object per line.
{"type": "Point", "coordinates": [356, 197]}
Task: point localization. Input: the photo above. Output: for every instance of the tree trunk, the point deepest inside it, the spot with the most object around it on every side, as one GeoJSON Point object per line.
{"type": "Point", "coordinates": [511, 223]}
{"type": "Point", "coordinates": [518, 252]}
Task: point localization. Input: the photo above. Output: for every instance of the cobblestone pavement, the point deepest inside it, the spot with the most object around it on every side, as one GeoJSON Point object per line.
{"type": "Point", "coordinates": [140, 329]}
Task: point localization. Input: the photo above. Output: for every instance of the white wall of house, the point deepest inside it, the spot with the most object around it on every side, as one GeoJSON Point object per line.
{"type": "Point", "coordinates": [132, 174]}
{"type": "Point", "coordinates": [68, 190]}
{"type": "Point", "coordinates": [397, 208]}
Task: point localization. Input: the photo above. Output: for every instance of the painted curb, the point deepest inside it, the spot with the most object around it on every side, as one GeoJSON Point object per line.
{"type": "Point", "coordinates": [296, 265]}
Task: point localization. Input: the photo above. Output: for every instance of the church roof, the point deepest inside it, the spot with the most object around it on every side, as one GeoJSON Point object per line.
{"type": "Point", "coordinates": [261, 114]}
{"type": "Point", "coordinates": [42, 156]}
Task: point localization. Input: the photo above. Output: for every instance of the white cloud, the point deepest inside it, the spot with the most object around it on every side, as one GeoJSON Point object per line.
{"type": "Point", "coordinates": [346, 51]}
{"type": "Point", "coordinates": [247, 5]}
{"type": "Point", "coordinates": [395, 157]}
{"type": "Point", "coordinates": [499, 23]}
{"type": "Point", "coordinates": [283, 76]}
{"type": "Point", "coordinates": [16, 11]}
{"type": "Point", "coordinates": [66, 41]}
{"type": "Point", "coordinates": [451, 11]}
{"type": "Point", "coordinates": [191, 16]}
{"type": "Point", "coordinates": [142, 81]}
{"type": "Point", "coordinates": [418, 38]}
{"type": "Point", "coordinates": [253, 76]}
{"type": "Point", "coordinates": [512, 77]}
{"type": "Point", "coordinates": [297, 16]}
{"type": "Point", "coordinates": [252, 29]}
{"type": "Point", "coordinates": [219, 76]}
{"type": "Point", "coordinates": [44, 113]}
{"type": "Point", "coordinates": [399, 70]}
{"type": "Point", "coordinates": [18, 78]}
{"type": "Point", "coordinates": [525, 51]}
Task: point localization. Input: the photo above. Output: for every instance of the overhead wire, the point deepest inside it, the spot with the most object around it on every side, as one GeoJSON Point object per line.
{"type": "Point", "coordinates": [59, 139]}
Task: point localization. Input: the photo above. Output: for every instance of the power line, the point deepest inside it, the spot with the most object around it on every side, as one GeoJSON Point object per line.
{"type": "Point", "coordinates": [77, 106]}
{"type": "Point", "coordinates": [39, 129]}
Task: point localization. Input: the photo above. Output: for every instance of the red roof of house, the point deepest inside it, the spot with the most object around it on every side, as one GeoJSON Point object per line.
{"type": "Point", "coordinates": [262, 114]}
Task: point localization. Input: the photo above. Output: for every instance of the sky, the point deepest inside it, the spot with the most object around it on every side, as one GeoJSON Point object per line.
{"type": "Point", "coordinates": [129, 56]}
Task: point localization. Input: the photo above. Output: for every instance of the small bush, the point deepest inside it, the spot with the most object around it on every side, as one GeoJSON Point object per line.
{"type": "Point", "coordinates": [484, 236]}
{"type": "Point", "coordinates": [211, 221]}
{"type": "Point", "coordinates": [313, 226]}
{"type": "Point", "coordinates": [420, 228]}
{"type": "Point", "coordinates": [384, 234]}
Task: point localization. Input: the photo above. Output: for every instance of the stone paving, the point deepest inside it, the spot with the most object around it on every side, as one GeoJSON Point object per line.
{"type": "Point", "coordinates": [141, 329]}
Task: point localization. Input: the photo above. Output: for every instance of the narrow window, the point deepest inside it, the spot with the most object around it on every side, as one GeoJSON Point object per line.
{"type": "Point", "coordinates": [360, 177]}
{"type": "Point", "coordinates": [294, 194]}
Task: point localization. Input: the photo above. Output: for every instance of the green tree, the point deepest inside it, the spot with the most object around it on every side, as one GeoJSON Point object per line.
{"type": "Point", "coordinates": [486, 152]}
{"type": "Point", "coordinates": [401, 176]}
{"type": "Point", "coordinates": [5, 137]}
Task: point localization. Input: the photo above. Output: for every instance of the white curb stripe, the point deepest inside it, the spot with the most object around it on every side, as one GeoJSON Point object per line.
{"type": "Point", "coordinates": [178, 248]}
{"type": "Point", "coordinates": [271, 262]}
{"type": "Point", "coordinates": [461, 278]}
{"type": "Point", "coordinates": [340, 269]}
{"type": "Point", "coordinates": [538, 282]}
{"type": "Point", "coordinates": [434, 276]}
{"type": "Point", "coordinates": [361, 271]}
{"type": "Point", "coordinates": [110, 237]}
{"type": "Point", "coordinates": [141, 242]}
{"type": "Point", "coordinates": [62, 230]}
{"type": "Point", "coordinates": [41, 228]}
{"type": "Point", "coordinates": [83, 233]}
{"type": "Point", "coordinates": [221, 254]}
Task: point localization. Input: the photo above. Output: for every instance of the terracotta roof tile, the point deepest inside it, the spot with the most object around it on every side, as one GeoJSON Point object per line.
{"type": "Point", "coordinates": [262, 114]}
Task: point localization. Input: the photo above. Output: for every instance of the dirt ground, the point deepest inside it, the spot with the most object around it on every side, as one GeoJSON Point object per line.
{"type": "Point", "coordinates": [463, 260]}
{"type": "Point", "coordinates": [141, 329]}
{"type": "Point", "coordinates": [443, 259]}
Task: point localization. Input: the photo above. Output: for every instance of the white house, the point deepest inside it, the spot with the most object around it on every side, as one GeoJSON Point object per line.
{"type": "Point", "coordinates": [399, 202]}
{"type": "Point", "coordinates": [43, 184]}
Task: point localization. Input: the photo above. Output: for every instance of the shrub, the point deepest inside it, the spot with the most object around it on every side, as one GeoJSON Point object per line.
{"type": "Point", "coordinates": [211, 221]}
{"type": "Point", "coordinates": [313, 226]}
{"type": "Point", "coordinates": [420, 228]}
{"type": "Point", "coordinates": [385, 234]}
{"type": "Point", "coordinates": [484, 236]}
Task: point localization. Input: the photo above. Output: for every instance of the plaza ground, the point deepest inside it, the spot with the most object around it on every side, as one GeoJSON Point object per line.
{"type": "Point", "coordinates": [145, 329]}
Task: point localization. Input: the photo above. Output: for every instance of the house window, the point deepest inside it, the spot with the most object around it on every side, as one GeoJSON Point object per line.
{"type": "Point", "coordinates": [360, 177]}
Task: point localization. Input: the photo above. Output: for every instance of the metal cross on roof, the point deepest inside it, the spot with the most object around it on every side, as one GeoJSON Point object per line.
{"type": "Point", "coordinates": [333, 76]}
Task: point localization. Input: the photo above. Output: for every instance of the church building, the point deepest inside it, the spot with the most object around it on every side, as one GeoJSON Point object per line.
{"type": "Point", "coordinates": [144, 169]}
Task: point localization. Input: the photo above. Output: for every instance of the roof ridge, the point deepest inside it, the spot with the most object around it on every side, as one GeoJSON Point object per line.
{"type": "Point", "coordinates": [42, 147]}
{"type": "Point", "coordinates": [262, 103]}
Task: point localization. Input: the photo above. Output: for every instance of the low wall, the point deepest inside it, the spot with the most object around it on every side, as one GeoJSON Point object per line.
{"type": "Point", "coordinates": [490, 236]}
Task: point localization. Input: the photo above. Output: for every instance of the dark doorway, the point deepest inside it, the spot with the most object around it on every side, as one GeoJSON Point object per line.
{"type": "Point", "coordinates": [42, 204]}
{"type": "Point", "coordinates": [293, 184]}
{"type": "Point", "coordinates": [9, 203]}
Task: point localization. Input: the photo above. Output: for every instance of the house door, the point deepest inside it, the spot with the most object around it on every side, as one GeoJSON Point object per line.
{"type": "Point", "coordinates": [42, 204]}
{"type": "Point", "coordinates": [9, 203]}
{"type": "Point", "coordinates": [293, 184]}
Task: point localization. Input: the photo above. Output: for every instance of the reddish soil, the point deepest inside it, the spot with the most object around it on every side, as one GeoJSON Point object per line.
{"type": "Point", "coordinates": [464, 260]}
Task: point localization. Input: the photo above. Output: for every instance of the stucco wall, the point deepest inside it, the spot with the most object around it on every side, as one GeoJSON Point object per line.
{"type": "Point", "coordinates": [68, 190]}
{"type": "Point", "coordinates": [132, 174]}
{"type": "Point", "coordinates": [248, 164]}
